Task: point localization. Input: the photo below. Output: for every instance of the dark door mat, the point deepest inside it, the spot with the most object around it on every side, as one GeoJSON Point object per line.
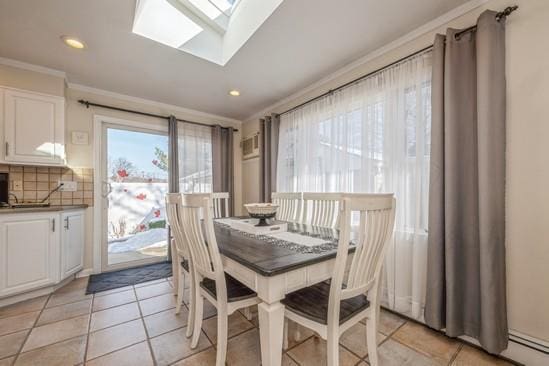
{"type": "Point", "coordinates": [127, 277]}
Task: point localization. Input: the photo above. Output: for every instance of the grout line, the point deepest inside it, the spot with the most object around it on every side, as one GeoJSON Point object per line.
{"type": "Point", "coordinates": [30, 330]}
{"type": "Point", "coordinates": [454, 356]}
{"type": "Point", "coordinates": [88, 333]}
{"type": "Point", "coordinates": [145, 327]}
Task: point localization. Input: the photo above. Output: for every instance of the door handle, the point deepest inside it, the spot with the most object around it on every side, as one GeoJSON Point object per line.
{"type": "Point", "coordinates": [66, 223]}
{"type": "Point", "coordinates": [53, 225]}
{"type": "Point", "coordinates": [108, 187]}
{"type": "Point", "coordinates": [7, 148]}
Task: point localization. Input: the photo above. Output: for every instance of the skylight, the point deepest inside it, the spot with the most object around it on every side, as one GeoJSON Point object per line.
{"type": "Point", "coordinates": [211, 29]}
{"type": "Point", "coordinates": [161, 22]}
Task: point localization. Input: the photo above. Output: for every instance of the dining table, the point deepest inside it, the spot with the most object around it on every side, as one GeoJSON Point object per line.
{"type": "Point", "coordinates": [273, 266]}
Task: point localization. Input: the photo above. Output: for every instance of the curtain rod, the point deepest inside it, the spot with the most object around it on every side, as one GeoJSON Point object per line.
{"type": "Point", "coordinates": [89, 104]}
{"type": "Point", "coordinates": [499, 16]}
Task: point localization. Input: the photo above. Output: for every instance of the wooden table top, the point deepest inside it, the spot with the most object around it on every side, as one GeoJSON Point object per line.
{"type": "Point", "coordinates": [269, 259]}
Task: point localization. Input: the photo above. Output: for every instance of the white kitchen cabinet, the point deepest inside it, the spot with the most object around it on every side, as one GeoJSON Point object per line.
{"type": "Point", "coordinates": [29, 251]}
{"type": "Point", "coordinates": [72, 242]}
{"type": "Point", "coordinates": [33, 128]}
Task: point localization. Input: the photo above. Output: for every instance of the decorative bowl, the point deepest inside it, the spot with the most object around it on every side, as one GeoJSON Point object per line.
{"type": "Point", "coordinates": [261, 211]}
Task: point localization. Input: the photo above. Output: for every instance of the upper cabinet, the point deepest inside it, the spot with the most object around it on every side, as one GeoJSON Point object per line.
{"type": "Point", "coordinates": [33, 127]}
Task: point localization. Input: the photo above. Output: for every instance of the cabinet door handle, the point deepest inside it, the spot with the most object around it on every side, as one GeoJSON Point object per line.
{"type": "Point", "coordinates": [7, 148]}
{"type": "Point", "coordinates": [66, 223]}
{"type": "Point", "coordinates": [53, 225]}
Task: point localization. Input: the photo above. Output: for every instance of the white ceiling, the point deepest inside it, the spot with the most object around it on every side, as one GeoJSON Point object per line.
{"type": "Point", "coordinates": [300, 43]}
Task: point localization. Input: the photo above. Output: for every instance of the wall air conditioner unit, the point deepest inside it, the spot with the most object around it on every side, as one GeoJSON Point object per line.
{"type": "Point", "coordinates": [250, 146]}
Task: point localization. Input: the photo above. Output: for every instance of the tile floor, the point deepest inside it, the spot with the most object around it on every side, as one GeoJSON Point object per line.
{"type": "Point", "coordinates": [136, 325]}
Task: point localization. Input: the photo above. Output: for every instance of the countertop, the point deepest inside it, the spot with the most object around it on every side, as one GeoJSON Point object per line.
{"type": "Point", "coordinates": [9, 210]}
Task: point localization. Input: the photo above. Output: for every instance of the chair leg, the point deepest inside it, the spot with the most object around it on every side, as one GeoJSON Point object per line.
{"type": "Point", "coordinates": [247, 313]}
{"type": "Point", "coordinates": [371, 336]}
{"type": "Point", "coordinates": [332, 349]}
{"type": "Point", "coordinates": [180, 291]}
{"type": "Point", "coordinates": [192, 307]}
{"type": "Point", "coordinates": [175, 268]}
{"type": "Point", "coordinates": [222, 334]}
{"type": "Point", "coordinates": [198, 313]}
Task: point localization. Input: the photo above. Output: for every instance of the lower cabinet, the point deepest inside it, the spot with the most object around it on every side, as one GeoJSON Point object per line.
{"type": "Point", "coordinates": [39, 249]}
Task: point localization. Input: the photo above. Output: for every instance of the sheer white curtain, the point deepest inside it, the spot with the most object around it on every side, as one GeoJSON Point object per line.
{"type": "Point", "coordinates": [372, 136]}
{"type": "Point", "coordinates": [195, 158]}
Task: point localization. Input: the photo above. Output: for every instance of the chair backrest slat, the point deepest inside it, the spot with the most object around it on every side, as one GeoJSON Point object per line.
{"type": "Point", "coordinates": [290, 205]}
{"type": "Point", "coordinates": [173, 209]}
{"type": "Point", "coordinates": [321, 209]}
{"type": "Point", "coordinates": [220, 204]}
{"type": "Point", "coordinates": [377, 215]}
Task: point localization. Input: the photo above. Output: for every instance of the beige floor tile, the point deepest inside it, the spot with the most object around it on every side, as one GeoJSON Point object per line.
{"type": "Point", "coordinates": [165, 321]}
{"type": "Point", "coordinates": [355, 340]}
{"type": "Point", "coordinates": [63, 312]}
{"type": "Point", "coordinates": [174, 346]}
{"type": "Point", "coordinates": [116, 299]}
{"type": "Point", "coordinates": [136, 355]}
{"type": "Point", "coordinates": [244, 349]}
{"type": "Point", "coordinates": [424, 340]}
{"type": "Point", "coordinates": [77, 283]}
{"type": "Point", "coordinates": [67, 296]}
{"type": "Point", "coordinates": [287, 361]}
{"type": "Point", "coordinates": [115, 338]}
{"type": "Point", "coordinates": [11, 343]}
{"type": "Point", "coordinates": [392, 353]}
{"type": "Point", "coordinates": [157, 304]}
{"type": "Point", "coordinates": [18, 322]}
{"type": "Point", "coordinates": [470, 356]}
{"type": "Point", "coordinates": [69, 352]}
{"type": "Point", "coordinates": [204, 358]}
{"type": "Point", "coordinates": [113, 291]}
{"type": "Point", "coordinates": [295, 330]}
{"type": "Point", "coordinates": [142, 284]}
{"type": "Point", "coordinates": [153, 290]}
{"type": "Point", "coordinates": [112, 316]}
{"type": "Point", "coordinates": [312, 352]}
{"type": "Point", "coordinates": [237, 325]}
{"type": "Point", "coordinates": [389, 322]}
{"type": "Point", "coordinates": [55, 332]}
{"type": "Point", "coordinates": [26, 306]}
{"type": "Point", "coordinates": [209, 310]}
{"type": "Point", "coordinates": [7, 361]}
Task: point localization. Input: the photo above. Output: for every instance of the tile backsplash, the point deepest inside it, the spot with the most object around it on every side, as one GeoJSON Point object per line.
{"type": "Point", "coordinates": [39, 181]}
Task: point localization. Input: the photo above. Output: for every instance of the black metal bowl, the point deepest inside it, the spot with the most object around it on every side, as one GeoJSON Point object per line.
{"type": "Point", "coordinates": [262, 218]}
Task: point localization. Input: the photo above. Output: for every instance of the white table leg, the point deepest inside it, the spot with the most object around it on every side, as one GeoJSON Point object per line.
{"type": "Point", "coordinates": [271, 326]}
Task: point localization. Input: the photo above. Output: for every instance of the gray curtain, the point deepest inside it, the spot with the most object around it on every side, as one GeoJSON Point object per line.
{"type": "Point", "coordinates": [222, 156]}
{"type": "Point", "coordinates": [173, 166]}
{"type": "Point", "coordinates": [269, 129]}
{"type": "Point", "coordinates": [466, 255]}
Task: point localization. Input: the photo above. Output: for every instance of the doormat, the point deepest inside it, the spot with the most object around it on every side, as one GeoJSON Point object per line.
{"type": "Point", "coordinates": [128, 277]}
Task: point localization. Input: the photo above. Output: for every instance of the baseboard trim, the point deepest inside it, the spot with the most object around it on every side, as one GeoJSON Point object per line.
{"type": "Point", "coordinates": [86, 272]}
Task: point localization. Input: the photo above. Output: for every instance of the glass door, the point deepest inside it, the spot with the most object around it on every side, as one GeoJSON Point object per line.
{"type": "Point", "coordinates": [135, 181]}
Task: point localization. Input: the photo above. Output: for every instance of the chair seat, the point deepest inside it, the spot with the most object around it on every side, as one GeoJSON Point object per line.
{"type": "Point", "coordinates": [236, 290]}
{"type": "Point", "coordinates": [312, 303]}
{"type": "Point", "coordinates": [185, 265]}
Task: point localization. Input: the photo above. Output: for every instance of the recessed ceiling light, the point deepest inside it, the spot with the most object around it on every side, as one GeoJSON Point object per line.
{"type": "Point", "coordinates": [234, 93]}
{"type": "Point", "coordinates": [73, 42]}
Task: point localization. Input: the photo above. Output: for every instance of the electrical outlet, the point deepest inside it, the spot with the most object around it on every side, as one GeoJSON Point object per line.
{"type": "Point", "coordinates": [68, 186]}
{"type": "Point", "coordinates": [17, 185]}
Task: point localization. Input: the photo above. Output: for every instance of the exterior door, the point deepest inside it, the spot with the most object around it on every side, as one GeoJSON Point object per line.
{"type": "Point", "coordinates": [135, 181]}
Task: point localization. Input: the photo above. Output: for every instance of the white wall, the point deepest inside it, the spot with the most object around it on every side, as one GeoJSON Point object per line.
{"type": "Point", "coordinates": [527, 150]}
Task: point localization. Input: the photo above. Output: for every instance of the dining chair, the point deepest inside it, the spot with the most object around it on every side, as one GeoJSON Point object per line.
{"type": "Point", "coordinates": [331, 308]}
{"type": "Point", "coordinates": [290, 205]}
{"type": "Point", "coordinates": [321, 209]}
{"type": "Point", "coordinates": [220, 204]}
{"type": "Point", "coordinates": [180, 257]}
{"type": "Point", "coordinates": [211, 282]}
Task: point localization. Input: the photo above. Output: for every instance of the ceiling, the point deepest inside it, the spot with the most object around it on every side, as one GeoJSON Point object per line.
{"type": "Point", "coordinates": [303, 41]}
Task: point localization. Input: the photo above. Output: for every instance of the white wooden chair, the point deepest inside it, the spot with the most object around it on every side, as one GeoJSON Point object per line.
{"type": "Point", "coordinates": [321, 209]}
{"type": "Point", "coordinates": [220, 204]}
{"type": "Point", "coordinates": [332, 308]}
{"type": "Point", "coordinates": [290, 205]}
{"type": "Point", "coordinates": [181, 263]}
{"type": "Point", "coordinates": [211, 282]}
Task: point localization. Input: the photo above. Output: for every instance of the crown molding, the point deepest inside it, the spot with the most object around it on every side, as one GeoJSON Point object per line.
{"type": "Point", "coordinates": [152, 103]}
{"type": "Point", "coordinates": [32, 67]}
{"type": "Point", "coordinates": [399, 42]}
